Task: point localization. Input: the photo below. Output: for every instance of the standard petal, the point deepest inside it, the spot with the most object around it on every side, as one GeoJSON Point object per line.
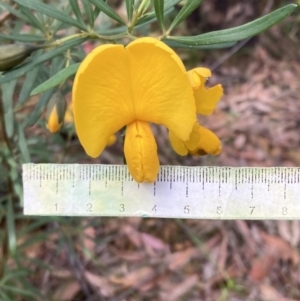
{"type": "Point", "coordinates": [102, 97]}
{"type": "Point", "coordinates": [177, 145]}
{"type": "Point", "coordinates": [161, 88]}
{"type": "Point", "coordinates": [141, 152]}
{"type": "Point", "coordinates": [207, 99]}
{"type": "Point", "coordinates": [209, 143]}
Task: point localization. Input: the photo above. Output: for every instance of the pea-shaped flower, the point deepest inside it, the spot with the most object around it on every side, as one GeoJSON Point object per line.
{"type": "Point", "coordinates": [133, 86]}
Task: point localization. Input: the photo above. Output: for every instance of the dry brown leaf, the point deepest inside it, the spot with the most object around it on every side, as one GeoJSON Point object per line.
{"type": "Point", "coordinates": [290, 231]}
{"type": "Point", "coordinates": [279, 248]}
{"type": "Point", "coordinates": [179, 259]}
{"type": "Point", "coordinates": [261, 267]}
{"type": "Point", "coordinates": [269, 293]}
{"type": "Point", "coordinates": [133, 235]}
{"type": "Point", "coordinates": [243, 228]}
{"type": "Point", "coordinates": [223, 252]}
{"type": "Point", "coordinates": [88, 241]}
{"type": "Point", "coordinates": [132, 256]}
{"type": "Point", "coordinates": [101, 283]}
{"type": "Point", "coordinates": [182, 288]}
{"type": "Point", "coordinates": [61, 273]}
{"type": "Point", "coordinates": [153, 244]}
{"type": "Point", "coordinates": [67, 292]}
{"type": "Point", "coordinates": [134, 278]}
{"type": "Point", "coordinates": [295, 233]}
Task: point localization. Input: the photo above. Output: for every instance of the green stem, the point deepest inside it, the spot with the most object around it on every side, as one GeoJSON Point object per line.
{"type": "Point", "coordinates": [91, 35]}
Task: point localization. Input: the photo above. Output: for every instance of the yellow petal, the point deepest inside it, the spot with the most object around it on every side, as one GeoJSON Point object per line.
{"type": "Point", "coordinates": [198, 76]}
{"type": "Point", "coordinates": [102, 97]}
{"type": "Point", "coordinates": [209, 143]}
{"type": "Point", "coordinates": [194, 138]}
{"type": "Point", "coordinates": [55, 112]}
{"type": "Point", "coordinates": [69, 116]}
{"type": "Point", "coordinates": [141, 152]}
{"type": "Point", "coordinates": [160, 86]}
{"type": "Point", "coordinates": [111, 140]}
{"type": "Point", "coordinates": [207, 99]}
{"type": "Point", "coordinates": [52, 123]}
{"type": "Point", "coordinates": [178, 145]}
{"type": "Point", "coordinates": [194, 78]}
{"type": "Point", "coordinates": [203, 72]}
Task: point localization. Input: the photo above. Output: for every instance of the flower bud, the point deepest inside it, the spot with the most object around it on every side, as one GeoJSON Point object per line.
{"type": "Point", "coordinates": [55, 112]}
{"type": "Point", "coordinates": [12, 55]}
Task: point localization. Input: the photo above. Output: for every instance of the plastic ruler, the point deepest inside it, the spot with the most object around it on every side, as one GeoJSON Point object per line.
{"type": "Point", "coordinates": [178, 192]}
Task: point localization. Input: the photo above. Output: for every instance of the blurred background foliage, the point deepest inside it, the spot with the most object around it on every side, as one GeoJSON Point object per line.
{"type": "Point", "coordinates": [54, 258]}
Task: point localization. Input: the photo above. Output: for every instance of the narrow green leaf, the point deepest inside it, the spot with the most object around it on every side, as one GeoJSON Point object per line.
{"type": "Point", "coordinates": [58, 24]}
{"type": "Point", "coordinates": [4, 297]}
{"type": "Point", "coordinates": [186, 10]}
{"type": "Point", "coordinates": [7, 95]}
{"type": "Point", "coordinates": [20, 291]}
{"type": "Point", "coordinates": [175, 44]}
{"type": "Point", "coordinates": [56, 79]}
{"type": "Point", "coordinates": [33, 19]}
{"type": "Point", "coordinates": [23, 145]}
{"type": "Point", "coordinates": [238, 33]}
{"type": "Point", "coordinates": [129, 8]}
{"type": "Point", "coordinates": [159, 11]}
{"type": "Point", "coordinates": [13, 11]}
{"type": "Point", "coordinates": [76, 11]}
{"type": "Point", "coordinates": [112, 31]}
{"type": "Point", "coordinates": [107, 10]}
{"type": "Point", "coordinates": [145, 20]}
{"type": "Point", "coordinates": [10, 224]}
{"type": "Point", "coordinates": [44, 99]}
{"type": "Point", "coordinates": [27, 38]}
{"type": "Point", "coordinates": [50, 11]}
{"type": "Point", "coordinates": [57, 64]}
{"type": "Point", "coordinates": [96, 12]}
{"type": "Point", "coordinates": [28, 84]}
{"type": "Point", "coordinates": [19, 71]}
{"type": "Point", "coordinates": [89, 12]}
{"type": "Point", "coordinates": [151, 17]}
{"type": "Point", "coordinates": [13, 275]}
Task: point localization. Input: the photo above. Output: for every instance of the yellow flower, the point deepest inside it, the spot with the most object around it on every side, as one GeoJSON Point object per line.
{"type": "Point", "coordinates": [55, 112]}
{"type": "Point", "coordinates": [206, 101]}
{"type": "Point", "coordinates": [133, 86]}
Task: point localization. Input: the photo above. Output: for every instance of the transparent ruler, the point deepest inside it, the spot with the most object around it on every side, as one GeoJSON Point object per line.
{"type": "Point", "coordinates": [179, 192]}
